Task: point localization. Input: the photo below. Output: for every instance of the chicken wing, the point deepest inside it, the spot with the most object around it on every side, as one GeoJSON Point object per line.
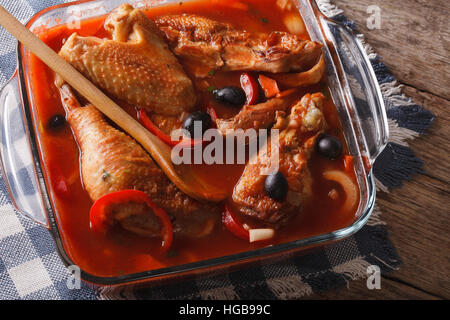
{"type": "Point", "coordinates": [209, 45]}
{"type": "Point", "coordinates": [259, 116]}
{"type": "Point", "coordinates": [136, 66]}
{"type": "Point", "coordinates": [112, 161]}
{"type": "Point", "coordinates": [295, 144]}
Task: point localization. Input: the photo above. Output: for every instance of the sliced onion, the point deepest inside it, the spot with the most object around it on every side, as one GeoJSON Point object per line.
{"type": "Point", "coordinates": [347, 184]}
{"type": "Point", "coordinates": [233, 4]}
{"type": "Point", "coordinates": [294, 24]}
{"type": "Point", "coordinates": [207, 229]}
{"type": "Point", "coordinates": [261, 234]}
{"type": "Point", "coordinates": [284, 4]}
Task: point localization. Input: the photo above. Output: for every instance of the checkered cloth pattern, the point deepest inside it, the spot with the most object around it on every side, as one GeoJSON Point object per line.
{"type": "Point", "coordinates": [31, 269]}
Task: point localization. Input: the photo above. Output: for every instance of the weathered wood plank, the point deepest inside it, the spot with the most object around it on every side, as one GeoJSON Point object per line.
{"type": "Point", "coordinates": [433, 147]}
{"type": "Point", "coordinates": [414, 42]}
{"type": "Point", "coordinates": [417, 214]}
{"type": "Point", "coordinates": [390, 290]}
{"type": "Point", "coordinates": [419, 230]}
{"type": "Point", "coordinates": [414, 39]}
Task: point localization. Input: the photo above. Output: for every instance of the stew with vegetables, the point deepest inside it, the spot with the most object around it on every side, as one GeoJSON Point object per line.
{"type": "Point", "coordinates": [209, 67]}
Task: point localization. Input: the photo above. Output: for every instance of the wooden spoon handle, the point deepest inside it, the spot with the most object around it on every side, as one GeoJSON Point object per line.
{"type": "Point", "coordinates": [159, 151]}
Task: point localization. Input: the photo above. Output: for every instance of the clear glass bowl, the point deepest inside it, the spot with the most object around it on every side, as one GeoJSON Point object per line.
{"type": "Point", "coordinates": [354, 90]}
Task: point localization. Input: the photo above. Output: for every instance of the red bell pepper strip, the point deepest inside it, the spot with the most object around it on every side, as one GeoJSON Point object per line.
{"type": "Point", "coordinates": [145, 120]}
{"type": "Point", "coordinates": [150, 126]}
{"type": "Point", "coordinates": [213, 114]}
{"type": "Point", "coordinates": [100, 221]}
{"type": "Point", "coordinates": [233, 225]}
{"type": "Point", "coordinates": [250, 87]}
{"type": "Point", "coordinates": [269, 86]}
{"type": "Point", "coordinates": [348, 163]}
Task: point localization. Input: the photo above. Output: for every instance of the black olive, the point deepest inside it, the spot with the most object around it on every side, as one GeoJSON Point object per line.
{"type": "Point", "coordinates": [329, 146]}
{"type": "Point", "coordinates": [231, 95]}
{"type": "Point", "coordinates": [276, 186]}
{"type": "Point", "coordinates": [56, 122]}
{"type": "Point", "coordinates": [197, 116]}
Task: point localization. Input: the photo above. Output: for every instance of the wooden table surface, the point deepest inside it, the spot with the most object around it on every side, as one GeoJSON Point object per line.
{"type": "Point", "coordinates": [414, 42]}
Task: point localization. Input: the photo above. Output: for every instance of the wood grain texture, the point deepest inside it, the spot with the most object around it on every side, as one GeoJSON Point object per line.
{"type": "Point", "coordinates": [390, 290]}
{"type": "Point", "coordinates": [418, 212]}
{"type": "Point", "coordinates": [414, 35]}
{"type": "Point", "coordinates": [414, 44]}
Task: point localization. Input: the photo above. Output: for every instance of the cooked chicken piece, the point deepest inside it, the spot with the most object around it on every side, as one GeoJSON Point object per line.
{"type": "Point", "coordinates": [209, 45]}
{"type": "Point", "coordinates": [297, 136]}
{"type": "Point", "coordinates": [304, 78]}
{"type": "Point", "coordinates": [167, 124]}
{"type": "Point", "coordinates": [112, 161]}
{"type": "Point", "coordinates": [259, 116]}
{"type": "Point", "coordinates": [136, 66]}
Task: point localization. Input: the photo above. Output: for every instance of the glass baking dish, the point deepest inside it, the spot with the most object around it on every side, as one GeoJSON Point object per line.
{"type": "Point", "coordinates": [353, 87]}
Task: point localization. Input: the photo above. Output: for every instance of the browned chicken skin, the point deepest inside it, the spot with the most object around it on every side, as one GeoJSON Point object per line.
{"type": "Point", "coordinates": [136, 66]}
{"type": "Point", "coordinates": [296, 142]}
{"type": "Point", "coordinates": [206, 45]}
{"type": "Point", "coordinates": [211, 45]}
{"type": "Point", "coordinates": [259, 116]}
{"type": "Point", "coordinates": [112, 161]}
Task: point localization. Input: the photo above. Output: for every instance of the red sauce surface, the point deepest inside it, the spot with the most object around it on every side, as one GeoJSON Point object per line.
{"type": "Point", "coordinates": [121, 252]}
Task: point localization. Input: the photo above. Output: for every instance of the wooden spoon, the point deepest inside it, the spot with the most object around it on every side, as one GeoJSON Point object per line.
{"type": "Point", "coordinates": [182, 176]}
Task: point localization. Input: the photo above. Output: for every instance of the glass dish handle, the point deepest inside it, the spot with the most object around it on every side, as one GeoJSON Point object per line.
{"type": "Point", "coordinates": [18, 163]}
{"type": "Point", "coordinates": [364, 98]}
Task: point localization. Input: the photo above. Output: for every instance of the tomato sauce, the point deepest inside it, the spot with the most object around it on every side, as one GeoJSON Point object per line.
{"type": "Point", "coordinates": [121, 252]}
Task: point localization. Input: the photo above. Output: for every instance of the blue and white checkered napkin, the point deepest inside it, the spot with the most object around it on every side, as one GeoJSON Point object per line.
{"type": "Point", "coordinates": [31, 269]}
